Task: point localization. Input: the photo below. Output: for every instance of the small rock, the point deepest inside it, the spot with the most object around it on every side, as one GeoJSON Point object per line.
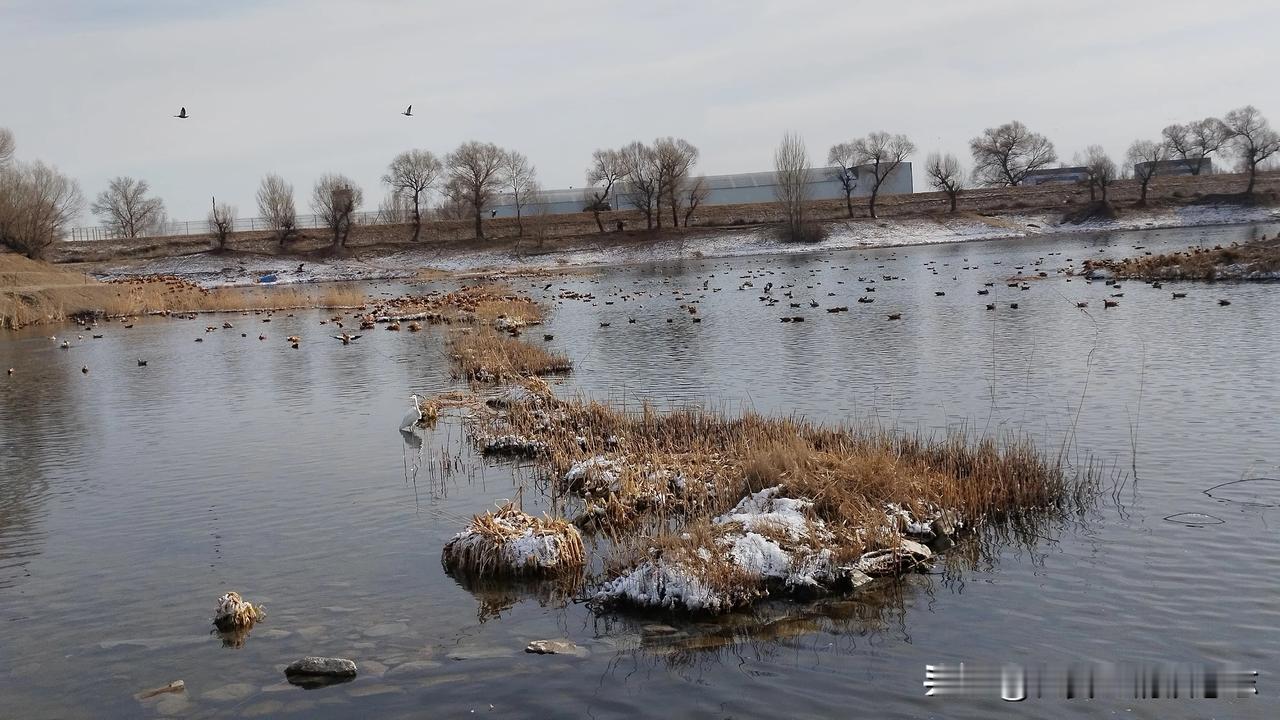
{"type": "Point", "coordinates": [554, 647]}
{"type": "Point", "coordinates": [372, 668]}
{"type": "Point", "coordinates": [176, 686]}
{"type": "Point", "coordinates": [310, 671]}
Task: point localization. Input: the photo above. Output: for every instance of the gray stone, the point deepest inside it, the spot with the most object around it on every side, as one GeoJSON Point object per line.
{"type": "Point", "coordinates": [555, 647]}
{"type": "Point", "coordinates": [228, 693]}
{"type": "Point", "coordinates": [413, 667]}
{"type": "Point", "coordinates": [322, 667]}
{"type": "Point", "coordinates": [372, 668]}
{"type": "Point", "coordinates": [385, 629]}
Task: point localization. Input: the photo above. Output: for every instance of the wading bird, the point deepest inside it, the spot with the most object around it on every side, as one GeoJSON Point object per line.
{"type": "Point", "coordinates": [413, 417]}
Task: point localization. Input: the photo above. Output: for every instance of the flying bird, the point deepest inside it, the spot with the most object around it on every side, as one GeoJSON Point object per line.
{"type": "Point", "coordinates": [182, 114]}
{"type": "Point", "coordinates": [408, 112]}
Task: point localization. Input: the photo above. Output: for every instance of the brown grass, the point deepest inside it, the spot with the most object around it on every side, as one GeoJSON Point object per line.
{"type": "Point", "coordinates": [484, 355]}
{"type": "Point", "coordinates": [1256, 260]}
{"type": "Point", "coordinates": [33, 292]}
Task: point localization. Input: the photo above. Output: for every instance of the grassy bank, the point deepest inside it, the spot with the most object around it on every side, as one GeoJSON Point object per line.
{"type": "Point", "coordinates": [559, 232]}
{"type": "Point", "coordinates": [34, 292]}
{"type": "Point", "coordinates": [1257, 260]}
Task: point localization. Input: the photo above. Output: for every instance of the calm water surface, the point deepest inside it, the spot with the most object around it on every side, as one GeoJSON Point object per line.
{"type": "Point", "coordinates": [131, 497]}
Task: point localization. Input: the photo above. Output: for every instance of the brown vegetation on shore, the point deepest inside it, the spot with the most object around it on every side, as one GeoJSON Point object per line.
{"type": "Point", "coordinates": [483, 304]}
{"type": "Point", "coordinates": [483, 355]}
{"type": "Point", "coordinates": [34, 292]}
{"type": "Point", "coordinates": [1256, 260]}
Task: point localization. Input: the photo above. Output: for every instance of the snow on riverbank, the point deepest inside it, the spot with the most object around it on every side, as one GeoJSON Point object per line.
{"type": "Point", "coordinates": [213, 271]}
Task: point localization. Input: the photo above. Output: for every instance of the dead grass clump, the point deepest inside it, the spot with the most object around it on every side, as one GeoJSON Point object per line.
{"type": "Point", "coordinates": [234, 613]}
{"type": "Point", "coordinates": [508, 543]}
{"type": "Point", "coordinates": [1256, 260]}
{"type": "Point", "coordinates": [486, 356]}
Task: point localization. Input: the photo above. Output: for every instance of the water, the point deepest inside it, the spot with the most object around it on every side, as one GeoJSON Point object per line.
{"type": "Point", "coordinates": [131, 497]}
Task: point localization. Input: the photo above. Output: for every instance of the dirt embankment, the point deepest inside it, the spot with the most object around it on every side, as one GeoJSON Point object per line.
{"type": "Point", "coordinates": [556, 232]}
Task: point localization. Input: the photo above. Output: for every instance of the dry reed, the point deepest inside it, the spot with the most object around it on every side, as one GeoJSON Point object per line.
{"type": "Point", "coordinates": [484, 355]}
{"type": "Point", "coordinates": [507, 542]}
{"type": "Point", "coordinates": [1256, 260]}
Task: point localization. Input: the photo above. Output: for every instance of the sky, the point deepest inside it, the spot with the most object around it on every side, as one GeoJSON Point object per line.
{"type": "Point", "coordinates": [304, 87]}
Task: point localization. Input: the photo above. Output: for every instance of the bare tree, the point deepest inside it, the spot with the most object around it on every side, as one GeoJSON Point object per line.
{"type": "Point", "coordinates": [1145, 156]}
{"type": "Point", "coordinates": [676, 158]}
{"type": "Point", "coordinates": [640, 167]}
{"type": "Point", "coordinates": [335, 199]}
{"type": "Point", "coordinates": [695, 192]}
{"type": "Point", "coordinates": [845, 157]}
{"type": "Point", "coordinates": [1252, 138]}
{"type": "Point", "coordinates": [884, 153]}
{"type": "Point", "coordinates": [412, 174]}
{"type": "Point", "coordinates": [1195, 141]}
{"type": "Point", "coordinates": [1102, 170]}
{"type": "Point", "coordinates": [8, 146]}
{"type": "Point", "coordinates": [945, 175]}
{"type": "Point", "coordinates": [792, 188]}
{"type": "Point", "coordinates": [520, 179]}
{"type": "Point", "coordinates": [36, 204]}
{"type": "Point", "coordinates": [222, 219]}
{"type": "Point", "coordinates": [605, 171]}
{"type": "Point", "coordinates": [125, 208]}
{"type": "Point", "coordinates": [1004, 155]}
{"type": "Point", "coordinates": [474, 175]}
{"type": "Point", "coordinates": [275, 205]}
{"type": "Point", "coordinates": [395, 210]}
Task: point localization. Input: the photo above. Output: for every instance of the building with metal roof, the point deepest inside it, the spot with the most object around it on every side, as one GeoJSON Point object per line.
{"type": "Point", "coordinates": [732, 189]}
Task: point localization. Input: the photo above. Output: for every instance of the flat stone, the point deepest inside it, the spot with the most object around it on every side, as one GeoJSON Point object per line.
{"type": "Point", "coordinates": [322, 666]}
{"type": "Point", "coordinates": [386, 629]}
{"type": "Point", "coordinates": [367, 690]}
{"type": "Point", "coordinates": [372, 668]}
{"type": "Point", "coordinates": [263, 709]}
{"type": "Point", "coordinates": [314, 632]}
{"type": "Point", "coordinates": [555, 647]}
{"type": "Point", "coordinates": [480, 653]}
{"type": "Point", "coordinates": [173, 706]}
{"type": "Point", "coordinates": [228, 693]}
{"type": "Point", "coordinates": [413, 667]}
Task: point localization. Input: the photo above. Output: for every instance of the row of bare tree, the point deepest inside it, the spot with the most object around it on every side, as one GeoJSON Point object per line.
{"type": "Point", "coordinates": [37, 202]}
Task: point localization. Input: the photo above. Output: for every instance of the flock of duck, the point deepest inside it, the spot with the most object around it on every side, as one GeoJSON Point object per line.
{"type": "Point", "coordinates": [799, 288]}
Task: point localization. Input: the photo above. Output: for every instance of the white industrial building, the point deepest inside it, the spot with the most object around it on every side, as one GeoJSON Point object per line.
{"type": "Point", "coordinates": [1165, 168]}
{"type": "Point", "coordinates": [1056, 175]}
{"type": "Point", "coordinates": [734, 189]}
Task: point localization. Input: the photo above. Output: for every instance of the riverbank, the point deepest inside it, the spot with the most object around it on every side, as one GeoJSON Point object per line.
{"type": "Point", "coordinates": [400, 262]}
{"type": "Point", "coordinates": [1257, 260]}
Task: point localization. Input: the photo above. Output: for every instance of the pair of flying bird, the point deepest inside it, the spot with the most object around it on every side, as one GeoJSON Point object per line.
{"type": "Point", "coordinates": [182, 114]}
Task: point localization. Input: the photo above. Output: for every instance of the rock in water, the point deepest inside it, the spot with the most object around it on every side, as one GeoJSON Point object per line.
{"type": "Point", "coordinates": [315, 671]}
{"type": "Point", "coordinates": [176, 686]}
{"type": "Point", "coordinates": [908, 556]}
{"type": "Point", "coordinates": [553, 647]}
